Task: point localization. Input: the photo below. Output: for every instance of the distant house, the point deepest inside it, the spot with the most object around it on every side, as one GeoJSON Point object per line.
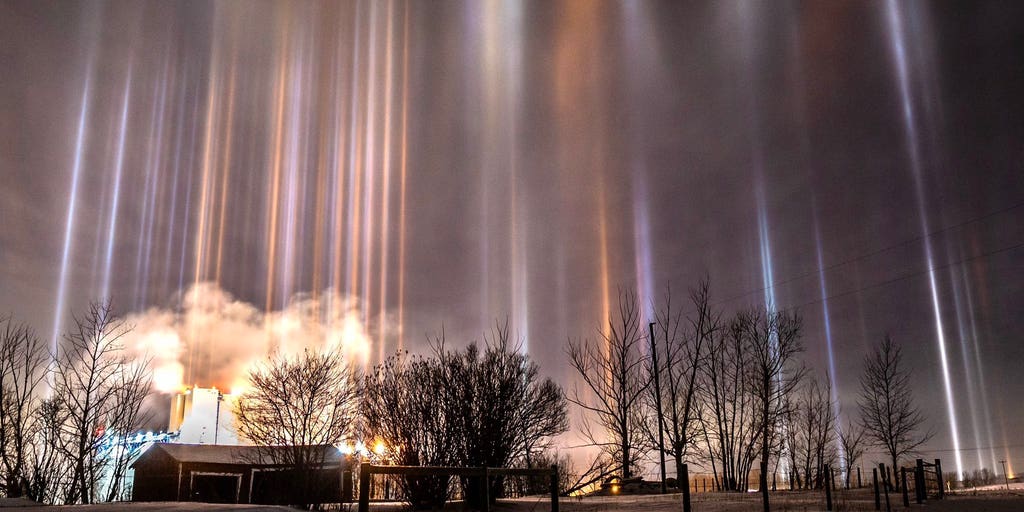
{"type": "Point", "coordinates": [237, 474]}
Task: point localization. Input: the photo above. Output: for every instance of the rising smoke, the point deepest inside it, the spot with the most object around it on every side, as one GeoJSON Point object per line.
{"type": "Point", "coordinates": [210, 338]}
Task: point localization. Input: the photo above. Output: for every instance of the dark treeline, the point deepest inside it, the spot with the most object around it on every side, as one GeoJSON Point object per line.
{"type": "Point", "coordinates": [64, 417]}
{"type": "Point", "coordinates": [732, 395]}
{"type": "Point", "coordinates": [480, 406]}
{"type": "Point", "coordinates": [735, 397]}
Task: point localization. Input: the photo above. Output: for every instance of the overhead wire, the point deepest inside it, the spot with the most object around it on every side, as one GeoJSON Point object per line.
{"type": "Point", "coordinates": [881, 250]}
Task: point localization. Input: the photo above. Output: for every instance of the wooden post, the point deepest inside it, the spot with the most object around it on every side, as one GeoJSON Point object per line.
{"type": "Point", "coordinates": [486, 507]}
{"type": "Point", "coordinates": [763, 484]}
{"type": "Point", "coordinates": [364, 487]}
{"type": "Point", "coordinates": [919, 482]}
{"type": "Point", "coordinates": [657, 404]}
{"type": "Point", "coordinates": [705, 484]}
{"type": "Point", "coordinates": [906, 497]}
{"type": "Point", "coordinates": [859, 484]}
{"type": "Point", "coordinates": [828, 490]}
{"type": "Point", "coordinates": [874, 481]}
{"type": "Point", "coordinates": [885, 487]}
{"type": "Point", "coordinates": [346, 486]}
{"type": "Point", "coordinates": [554, 488]}
{"type": "Point", "coordinates": [685, 479]}
{"type": "Point", "coordinates": [938, 478]}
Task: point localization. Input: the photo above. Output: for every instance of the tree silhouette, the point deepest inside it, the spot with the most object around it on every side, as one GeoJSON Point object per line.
{"type": "Point", "coordinates": [23, 360]}
{"type": "Point", "coordinates": [98, 391]}
{"type": "Point", "coordinates": [302, 403]}
{"type": "Point", "coordinates": [887, 410]}
{"type": "Point", "coordinates": [615, 374]}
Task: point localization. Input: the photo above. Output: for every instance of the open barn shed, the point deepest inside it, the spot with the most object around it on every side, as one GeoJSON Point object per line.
{"type": "Point", "coordinates": [238, 474]}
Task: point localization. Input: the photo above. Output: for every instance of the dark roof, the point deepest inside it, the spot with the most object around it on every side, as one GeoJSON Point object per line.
{"type": "Point", "coordinates": [237, 455]}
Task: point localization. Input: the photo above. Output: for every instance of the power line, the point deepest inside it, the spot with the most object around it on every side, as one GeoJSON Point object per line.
{"type": "Point", "coordinates": [949, 450]}
{"type": "Point", "coordinates": [873, 253]}
{"type": "Point", "coordinates": [979, 448]}
{"type": "Point", "coordinates": [911, 275]}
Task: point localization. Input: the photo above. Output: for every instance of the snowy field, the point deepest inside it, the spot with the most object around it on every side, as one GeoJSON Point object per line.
{"type": "Point", "coordinates": [148, 507]}
{"type": "Point", "coordinates": [861, 500]}
{"type": "Point", "coordinates": [1017, 487]}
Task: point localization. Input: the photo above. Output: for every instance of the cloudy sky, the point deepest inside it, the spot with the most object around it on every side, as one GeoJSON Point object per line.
{"type": "Point", "coordinates": [373, 171]}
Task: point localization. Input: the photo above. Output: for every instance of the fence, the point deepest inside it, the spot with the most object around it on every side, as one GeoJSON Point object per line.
{"type": "Point", "coordinates": [923, 477]}
{"type": "Point", "coordinates": [366, 470]}
{"type": "Point", "coordinates": [922, 480]}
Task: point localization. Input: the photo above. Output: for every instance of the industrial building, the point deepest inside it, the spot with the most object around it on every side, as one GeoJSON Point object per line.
{"type": "Point", "coordinates": [203, 416]}
{"type": "Point", "coordinates": [239, 474]}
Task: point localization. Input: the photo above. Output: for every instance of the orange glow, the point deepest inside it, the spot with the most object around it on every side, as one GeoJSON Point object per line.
{"type": "Point", "coordinates": [225, 171]}
{"type": "Point", "coordinates": [401, 200]}
{"type": "Point", "coordinates": [239, 387]}
{"type": "Point", "coordinates": [356, 194]}
{"type": "Point", "coordinates": [339, 193]}
{"type": "Point", "coordinates": [605, 297]}
{"type": "Point", "coordinates": [168, 378]}
{"type": "Point", "coordinates": [385, 189]}
{"type": "Point", "coordinates": [275, 188]}
{"type": "Point", "coordinates": [204, 198]}
{"type": "Point", "coordinates": [203, 205]}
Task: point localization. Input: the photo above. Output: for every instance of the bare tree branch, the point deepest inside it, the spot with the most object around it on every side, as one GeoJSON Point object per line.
{"type": "Point", "coordinates": [888, 414]}
{"type": "Point", "coordinates": [616, 377]}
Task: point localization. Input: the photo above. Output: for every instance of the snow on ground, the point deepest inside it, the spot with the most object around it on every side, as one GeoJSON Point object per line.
{"type": "Point", "coordinates": [799, 501]}
{"type": "Point", "coordinates": [158, 507]}
{"type": "Point", "coordinates": [1014, 486]}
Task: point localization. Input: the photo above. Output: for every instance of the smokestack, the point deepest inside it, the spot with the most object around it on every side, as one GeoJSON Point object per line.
{"type": "Point", "coordinates": [181, 405]}
{"type": "Point", "coordinates": [199, 417]}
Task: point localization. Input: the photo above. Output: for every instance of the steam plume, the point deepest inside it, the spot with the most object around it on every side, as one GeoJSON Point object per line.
{"type": "Point", "coordinates": [209, 338]}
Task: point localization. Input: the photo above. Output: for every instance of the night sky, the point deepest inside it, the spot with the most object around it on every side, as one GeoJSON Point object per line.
{"type": "Point", "coordinates": [379, 170]}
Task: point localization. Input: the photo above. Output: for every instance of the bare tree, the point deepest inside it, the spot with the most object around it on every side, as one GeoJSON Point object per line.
{"type": "Point", "coordinates": [599, 469]}
{"type": "Point", "coordinates": [811, 426]}
{"type": "Point", "coordinates": [616, 377]}
{"type": "Point", "coordinates": [852, 441]}
{"type": "Point", "coordinates": [301, 403]}
{"type": "Point", "coordinates": [22, 368]}
{"type": "Point", "coordinates": [88, 386]}
{"type": "Point", "coordinates": [727, 419]}
{"type": "Point", "coordinates": [888, 414]}
{"type": "Point", "coordinates": [684, 342]}
{"type": "Point", "coordinates": [50, 470]}
{"type": "Point", "coordinates": [403, 405]}
{"type": "Point", "coordinates": [502, 409]}
{"type": "Point", "coordinates": [131, 387]}
{"type": "Point", "coordinates": [486, 407]}
{"type": "Point", "coordinates": [568, 475]}
{"type": "Point", "coordinates": [773, 341]}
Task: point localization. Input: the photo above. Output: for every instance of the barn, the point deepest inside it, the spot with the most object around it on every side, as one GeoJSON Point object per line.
{"type": "Point", "coordinates": [238, 474]}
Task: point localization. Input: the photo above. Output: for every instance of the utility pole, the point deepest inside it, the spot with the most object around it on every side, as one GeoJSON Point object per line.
{"type": "Point", "coordinates": [216, 421]}
{"type": "Point", "coordinates": [657, 404]}
{"type": "Point", "coordinates": [1006, 478]}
